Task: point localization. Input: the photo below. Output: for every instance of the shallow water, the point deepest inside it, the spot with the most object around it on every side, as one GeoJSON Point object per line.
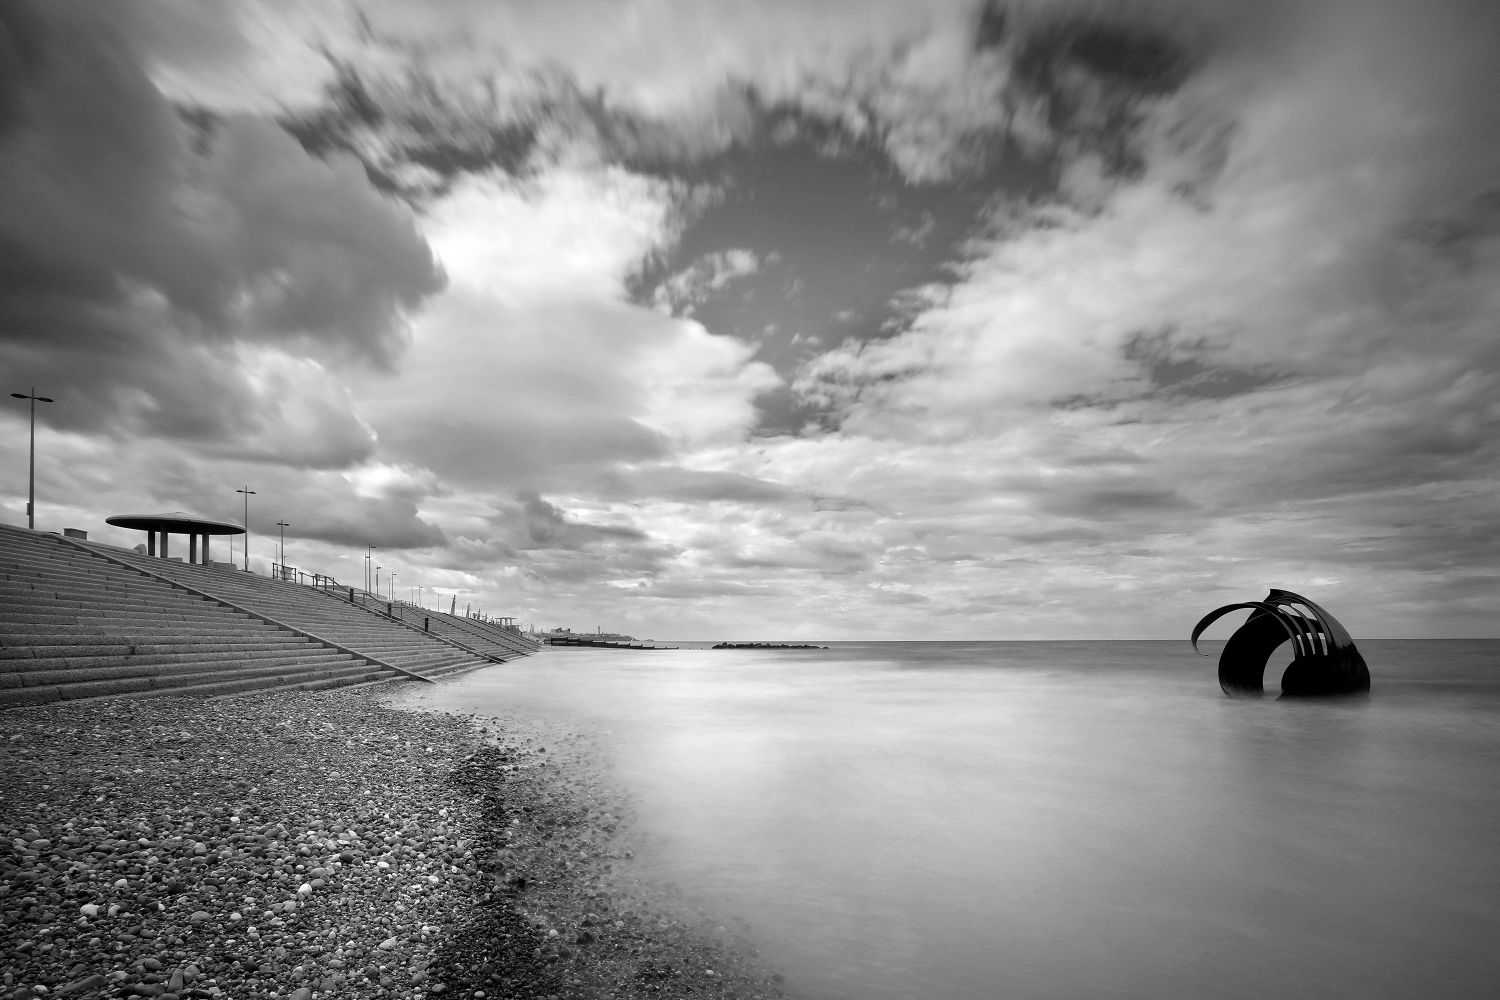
{"type": "Point", "coordinates": [1038, 820]}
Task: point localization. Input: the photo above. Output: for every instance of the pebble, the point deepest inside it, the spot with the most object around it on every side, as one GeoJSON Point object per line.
{"type": "Point", "coordinates": [135, 859]}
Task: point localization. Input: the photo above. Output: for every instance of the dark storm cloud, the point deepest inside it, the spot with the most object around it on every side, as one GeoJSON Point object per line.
{"type": "Point", "coordinates": [544, 526]}
{"type": "Point", "coordinates": [383, 522]}
{"type": "Point", "coordinates": [544, 542]}
{"type": "Point", "coordinates": [166, 283]}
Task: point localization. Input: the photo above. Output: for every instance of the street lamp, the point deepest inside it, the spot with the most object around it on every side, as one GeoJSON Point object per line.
{"type": "Point", "coordinates": [377, 579]}
{"type": "Point", "coordinates": [369, 561]}
{"type": "Point", "coordinates": [31, 474]}
{"type": "Point", "coordinates": [248, 494]}
{"type": "Point", "coordinates": [392, 585]}
{"type": "Point", "coordinates": [283, 525]}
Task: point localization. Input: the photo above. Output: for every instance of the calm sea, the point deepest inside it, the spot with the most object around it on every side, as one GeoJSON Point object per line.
{"type": "Point", "coordinates": [955, 820]}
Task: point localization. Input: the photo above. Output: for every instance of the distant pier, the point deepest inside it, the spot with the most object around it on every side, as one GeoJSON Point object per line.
{"type": "Point", "coordinates": [766, 645]}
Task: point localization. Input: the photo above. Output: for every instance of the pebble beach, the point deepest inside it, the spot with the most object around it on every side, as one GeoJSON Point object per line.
{"type": "Point", "coordinates": [303, 845]}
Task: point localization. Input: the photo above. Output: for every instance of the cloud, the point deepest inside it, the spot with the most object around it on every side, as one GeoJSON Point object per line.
{"type": "Point", "coordinates": [543, 526]}
{"type": "Point", "coordinates": [674, 483]}
{"type": "Point", "coordinates": [944, 88]}
{"type": "Point", "coordinates": [531, 371]}
{"type": "Point", "coordinates": [572, 231]}
{"type": "Point", "coordinates": [1142, 301]}
{"type": "Point", "coordinates": [681, 292]}
{"type": "Point", "coordinates": [556, 547]}
{"type": "Point", "coordinates": [171, 261]}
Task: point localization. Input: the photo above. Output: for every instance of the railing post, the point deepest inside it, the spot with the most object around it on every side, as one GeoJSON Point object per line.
{"type": "Point", "coordinates": [426, 624]}
{"type": "Point", "coordinates": [351, 595]}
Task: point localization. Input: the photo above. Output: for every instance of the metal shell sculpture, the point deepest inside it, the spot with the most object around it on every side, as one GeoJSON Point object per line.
{"type": "Point", "coordinates": [1326, 661]}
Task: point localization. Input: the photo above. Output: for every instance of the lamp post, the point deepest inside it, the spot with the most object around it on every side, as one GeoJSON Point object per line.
{"type": "Point", "coordinates": [248, 494]}
{"type": "Point", "coordinates": [283, 525]}
{"type": "Point", "coordinates": [392, 585]}
{"type": "Point", "coordinates": [377, 579]}
{"type": "Point", "coordinates": [369, 561]}
{"type": "Point", "coordinates": [31, 464]}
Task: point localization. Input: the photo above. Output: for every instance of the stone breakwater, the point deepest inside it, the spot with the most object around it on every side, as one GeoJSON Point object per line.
{"type": "Point", "coordinates": [309, 845]}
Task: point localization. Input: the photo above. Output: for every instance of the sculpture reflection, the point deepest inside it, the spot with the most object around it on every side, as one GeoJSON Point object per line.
{"type": "Point", "coordinates": [1326, 660]}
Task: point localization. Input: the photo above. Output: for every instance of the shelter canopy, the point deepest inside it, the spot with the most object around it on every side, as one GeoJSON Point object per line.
{"type": "Point", "coordinates": [176, 523]}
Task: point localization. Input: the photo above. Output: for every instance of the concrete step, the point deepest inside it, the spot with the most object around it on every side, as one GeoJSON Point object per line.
{"type": "Point", "coordinates": [414, 659]}
{"type": "Point", "coordinates": [164, 605]}
{"type": "Point", "coordinates": [151, 667]}
{"type": "Point", "coordinates": [198, 684]}
{"type": "Point", "coordinates": [136, 584]}
{"type": "Point", "coordinates": [69, 646]}
{"type": "Point", "coordinates": [41, 612]}
{"type": "Point", "coordinates": [94, 570]}
{"type": "Point", "coordinates": [360, 627]}
{"type": "Point", "coordinates": [455, 670]}
{"type": "Point", "coordinates": [219, 687]}
{"type": "Point", "coordinates": [48, 666]}
{"type": "Point", "coordinates": [21, 633]}
{"type": "Point", "coordinates": [124, 630]}
{"type": "Point", "coordinates": [123, 582]}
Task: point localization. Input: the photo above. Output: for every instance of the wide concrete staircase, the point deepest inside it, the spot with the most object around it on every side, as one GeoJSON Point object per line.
{"type": "Point", "coordinates": [74, 625]}
{"type": "Point", "coordinates": [497, 634]}
{"type": "Point", "coordinates": [472, 632]}
{"type": "Point", "coordinates": [338, 617]}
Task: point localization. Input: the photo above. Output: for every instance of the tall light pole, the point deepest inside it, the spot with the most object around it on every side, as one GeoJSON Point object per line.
{"type": "Point", "coordinates": [283, 525]}
{"type": "Point", "coordinates": [369, 561]}
{"type": "Point", "coordinates": [248, 494]}
{"type": "Point", "coordinates": [377, 579]}
{"type": "Point", "coordinates": [31, 467]}
{"type": "Point", "coordinates": [392, 585]}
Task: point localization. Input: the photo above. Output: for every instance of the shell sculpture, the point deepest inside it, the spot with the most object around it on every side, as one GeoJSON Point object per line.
{"type": "Point", "coordinates": [1326, 660]}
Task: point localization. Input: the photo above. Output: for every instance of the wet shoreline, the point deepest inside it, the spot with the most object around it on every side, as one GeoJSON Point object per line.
{"type": "Point", "coordinates": [325, 844]}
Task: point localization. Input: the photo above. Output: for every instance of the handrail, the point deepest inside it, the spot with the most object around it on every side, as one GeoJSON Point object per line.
{"type": "Point", "coordinates": [243, 610]}
{"type": "Point", "coordinates": [401, 621]}
{"type": "Point", "coordinates": [459, 622]}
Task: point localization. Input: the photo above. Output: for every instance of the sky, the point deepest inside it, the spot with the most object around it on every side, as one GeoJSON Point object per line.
{"type": "Point", "coordinates": [753, 319]}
